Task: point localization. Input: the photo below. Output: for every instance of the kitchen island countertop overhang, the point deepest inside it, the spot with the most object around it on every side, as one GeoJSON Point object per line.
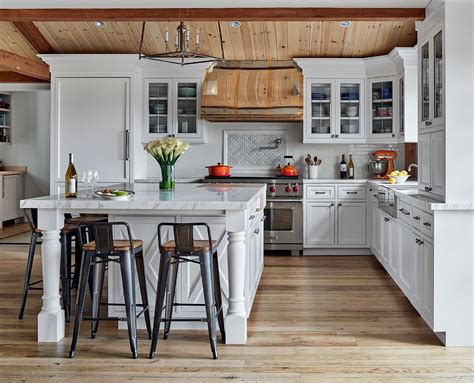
{"type": "Point", "coordinates": [232, 209]}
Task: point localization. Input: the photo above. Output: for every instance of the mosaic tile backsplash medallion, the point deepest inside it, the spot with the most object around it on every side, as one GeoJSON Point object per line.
{"type": "Point", "coordinates": [245, 149]}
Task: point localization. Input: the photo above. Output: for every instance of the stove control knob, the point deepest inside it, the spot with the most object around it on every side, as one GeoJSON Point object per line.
{"type": "Point", "coordinates": [288, 189]}
{"type": "Point", "coordinates": [272, 189]}
{"type": "Point", "coordinates": [296, 189]}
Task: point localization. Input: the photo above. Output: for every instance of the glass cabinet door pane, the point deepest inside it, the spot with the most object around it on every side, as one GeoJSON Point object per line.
{"type": "Point", "coordinates": [158, 108]}
{"type": "Point", "coordinates": [382, 107]}
{"type": "Point", "coordinates": [402, 105]}
{"type": "Point", "coordinates": [320, 108]}
{"type": "Point", "coordinates": [438, 74]}
{"type": "Point", "coordinates": [187, 108]}
{"type": "Point", "coordinates": [350, 108]}
{"type": "Point", "coordinates": [425, 82]}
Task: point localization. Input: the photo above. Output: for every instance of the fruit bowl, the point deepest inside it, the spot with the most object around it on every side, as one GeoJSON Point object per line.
{"type": "Point", "coordinates": [400, 179]}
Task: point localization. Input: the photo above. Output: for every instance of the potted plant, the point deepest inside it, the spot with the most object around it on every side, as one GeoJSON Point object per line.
{"type": "Point", "coordinates": [166, 152]}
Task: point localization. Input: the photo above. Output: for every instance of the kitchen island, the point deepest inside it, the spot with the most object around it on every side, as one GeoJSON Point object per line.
{"type": "Point", "coordinates": [234, 213]}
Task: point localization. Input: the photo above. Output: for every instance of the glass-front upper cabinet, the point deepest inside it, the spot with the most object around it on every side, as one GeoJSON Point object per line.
{"type": "Point", "coordinates": [157, 109]}
{"type": "Point", "coordinates": [431, 85]}
{"type": "Point", "coordinates": [425, 82]}
{"type": "Point", "coordinates": [382, 108]}
{"type": "Point", "coordinates": [350, 108]}
{"type": "Point", "coordinates": [401, 106]}
{"type": "Point", "coordinates": [438, 75]}
{"type": "Point", "coordinates": [172, 108]}
{"type": "Point", "coordinates": [320, 109]}
{"type": "Point", "coordinates": [187, 108]}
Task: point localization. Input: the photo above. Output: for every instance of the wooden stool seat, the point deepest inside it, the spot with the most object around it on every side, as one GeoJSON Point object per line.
{"type": "Point", "coordinates": [170, 246]}
{"type": "Point", "coordinates": [86, 219]}
{"type": "Point", "coordinates": [68, 228]}
{"type": "Point", "coordinates": [119, 245]}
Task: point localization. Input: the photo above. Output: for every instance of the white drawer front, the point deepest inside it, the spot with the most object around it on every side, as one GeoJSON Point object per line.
{"type": "Point", "coordinates": [427, 224]}
{"type": "Point", "coordinates": [351, 192]}
{"type": "Point", "coordinates": [320, 192]}
{"type": "Point", "coordinates": [416, 219]}
{"type": "Point", "coordinates": [404, 212]}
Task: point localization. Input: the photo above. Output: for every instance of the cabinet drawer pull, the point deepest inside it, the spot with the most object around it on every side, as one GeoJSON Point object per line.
{"type": "Point", "coordinates": [257, 231]}
{"type": "Point", "coordinates": [319, 192]}
{"type": "Point", "coordinates": [375, 195]}
{"type": "Point", "coordinates": [381, 193]}
{"type": "Point", "coordinates": [402, 210]}
{"type": "Point", "coordinates": [428, 123]}
{"type": "Point", "coordinates": [351, 192]}
{"type": "Point", "coordinates": [339, 204]}
{"type": "Point", "coordinates": [417, 217]}
{"type": "Point", "coordinates": [427, 224]}
{"type": "Point", "coordinates": [331, 205]}
{"type": "Point", "coordinates": [252, 217]}
{"type": "Point", "coordinates": [263, 218]}
{"type": "Point", "coordinates": [386, 219]}
{"type": "Point", "coordinates": [421, 242]}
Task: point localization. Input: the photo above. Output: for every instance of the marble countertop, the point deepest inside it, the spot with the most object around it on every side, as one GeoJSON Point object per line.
{"type": "Point", "coordinates": [187, 196]}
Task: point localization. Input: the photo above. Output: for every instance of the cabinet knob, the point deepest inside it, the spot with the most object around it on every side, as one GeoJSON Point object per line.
{"type": "Point", "coordinates": [339, 204]}
{"type": "Point", "coordinates": [386, 219]}
{"type": "Point", "coordinates": [428, 123]}
{"type": "Point", "coordinates": [417, 240]}
{"type": "Point", "coordinates": [416, 218]}
{"type": "Point", "coordinates": [427, 224]}
{"type": "Point", "coordinates": [257, 231]}
{"type": "Point", "coordinates": [337, 135]}
{"type": "Point", "coordinates": [331, 204]}
{"type": "Point", "coordinates": [393, 135]}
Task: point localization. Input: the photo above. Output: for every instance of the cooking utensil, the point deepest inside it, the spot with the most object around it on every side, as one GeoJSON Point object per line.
{"type": "Point", "coordinates": [308, 161]}
{"type": "Point", "coordinates": [315, 160]}
{"type": "Point", "coordinates": [318, 162]}
{"type": "Point", "coordinates": [219, 170]}
{"type": "Point", "coordinates": [377, 167]}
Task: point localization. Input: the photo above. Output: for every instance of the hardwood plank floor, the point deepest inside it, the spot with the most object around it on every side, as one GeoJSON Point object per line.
{"type": "Point", "coordinates": [315, 319]}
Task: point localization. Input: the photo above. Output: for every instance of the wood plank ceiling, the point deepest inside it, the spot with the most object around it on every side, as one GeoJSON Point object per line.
{"type": "Point", "coordinates": [254, 40]}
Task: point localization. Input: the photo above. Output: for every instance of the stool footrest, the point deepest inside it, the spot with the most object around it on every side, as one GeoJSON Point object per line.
{"type": "Point", "coordinates": [189, 304]}
{"type": "Point", "coordinates": [185, 320]}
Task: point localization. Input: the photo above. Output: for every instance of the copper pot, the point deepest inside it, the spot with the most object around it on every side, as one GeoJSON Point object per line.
{"type": "Point", "coordinates": [219, 170]}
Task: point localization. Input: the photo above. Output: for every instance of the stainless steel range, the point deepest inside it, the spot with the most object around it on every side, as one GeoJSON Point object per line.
{"type": "Point", "coordinates": [283, 212]}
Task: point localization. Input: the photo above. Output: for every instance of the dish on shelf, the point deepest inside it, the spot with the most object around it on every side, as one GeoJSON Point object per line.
{"type": "Point", "coordinates": [351, 111]}
{"type": "Point", "coordinates": [318, 96]}
{"type": "Point", "coordinates": [115, 194]}
{"type": "Point", "coordinates": [384, 111]}
{"type": "Point", "coordinates": [319, 111]}
{"type": "Point", "coordinates": [186, 92]}
{"type": "Point", "coordinates": [349, 96]}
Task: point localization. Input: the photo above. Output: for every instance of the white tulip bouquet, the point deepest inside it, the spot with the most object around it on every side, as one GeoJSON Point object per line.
{"type": "Point", "coordinates": [166, 152]}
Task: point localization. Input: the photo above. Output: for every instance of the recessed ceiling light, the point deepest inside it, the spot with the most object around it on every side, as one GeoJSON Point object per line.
{"type": "Point", "coordinates": [100, 24]}
{"type": "Point", "coordinates": [235, 24]}
{"type": "Point", "coordinates": [345, 24]}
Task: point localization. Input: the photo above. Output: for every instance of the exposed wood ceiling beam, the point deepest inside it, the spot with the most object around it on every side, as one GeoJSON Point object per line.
{"type": "Point", "coordinates": [213, 14]}
{"type": "Point", "coordinates": [33, 36]}
{"type": "Point", "coordinates": [19, 64]}
{"type": "Point", "coordinates": [17, 77]}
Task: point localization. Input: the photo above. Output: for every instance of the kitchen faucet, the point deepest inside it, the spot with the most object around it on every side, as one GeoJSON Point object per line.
{"type": "Point", "coordinates": [412, 166]}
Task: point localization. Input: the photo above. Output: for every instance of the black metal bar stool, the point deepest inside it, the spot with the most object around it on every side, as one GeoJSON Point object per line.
{"type": "Point", "coordinates": [182, 250]}
{"type": "Point", "coordinates": [67, 234]}
{"type": "Point", "coordinates": [95, 257]}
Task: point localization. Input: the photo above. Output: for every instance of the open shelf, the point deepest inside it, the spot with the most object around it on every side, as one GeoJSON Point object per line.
{"type": "Point", "coordinates": [382, 100]}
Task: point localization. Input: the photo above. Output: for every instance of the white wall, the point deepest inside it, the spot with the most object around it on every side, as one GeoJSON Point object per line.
{"type": "Point", "coordinates": [30, 139]}
{"type": "Point", "coordinates": [193, 162]}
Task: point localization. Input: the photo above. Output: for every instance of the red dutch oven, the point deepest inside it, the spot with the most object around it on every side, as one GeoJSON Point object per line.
{"type": "Point", "coordinates": [219, 170]}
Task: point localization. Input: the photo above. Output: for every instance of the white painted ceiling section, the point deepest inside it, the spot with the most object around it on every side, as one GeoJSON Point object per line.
{"type": "Point", "coordinates": [213, 3]}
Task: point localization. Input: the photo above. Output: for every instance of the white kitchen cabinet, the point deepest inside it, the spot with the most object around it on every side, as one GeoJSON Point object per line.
{"type": "Point", "coordinates": [334, 110]}
{"type": "Point", "coordinates": [389, 242]}
{"type": "Point", "coordinates": [406, 266]}
{"type": "Point", "coordinates": [377, 226]}
{"type": "Point", "coordinates": [351, 223]}
{"type": "Point", "coordinates": [91, 118]}
{"type": "Point", "coordinates": [431, 88]}
{"type": "Point", "coordinates": [383, 109]}
{"type": "Point", "coordinates": [319, 224]}
{"type": "Point", "coordinates": [11, 193]}
{"type": "Point", "coordinates": [173, 108]}
{"type": "Point", "coordinates": [432, 163]}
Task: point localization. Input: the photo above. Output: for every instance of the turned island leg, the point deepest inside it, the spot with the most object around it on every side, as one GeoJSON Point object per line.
{"type": "Point", "coordinates": [236, 319]}
{"type": "Point", "coordinates": [51, 318]}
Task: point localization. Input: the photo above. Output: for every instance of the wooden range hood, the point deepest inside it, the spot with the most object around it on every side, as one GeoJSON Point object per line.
{"type": "Point", "coordinates": [253, 91]}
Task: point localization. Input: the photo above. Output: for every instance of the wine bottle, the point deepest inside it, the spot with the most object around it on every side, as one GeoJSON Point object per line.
{"type": "Point", "coordinates": [343, 167]}
{"type": "Point", "coordinates": [70, 190]}
{"type": "Point", "coordinates": [350, 168]}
